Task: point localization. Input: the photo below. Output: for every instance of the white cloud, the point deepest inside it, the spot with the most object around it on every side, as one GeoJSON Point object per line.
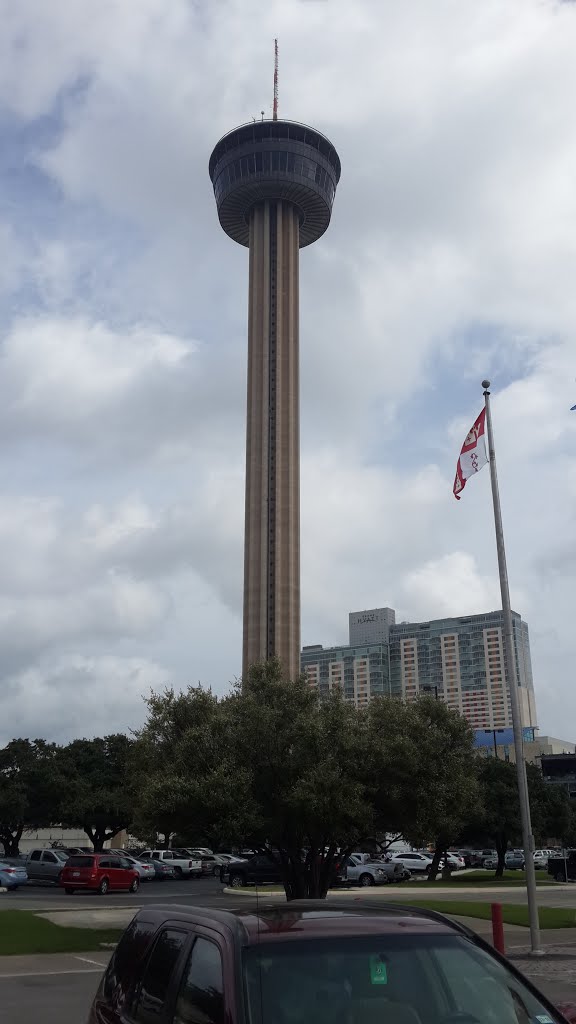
{"type": "Point", "coordinates": [122, 382]}
{"type": "Point", "coordinates": [79, 696]}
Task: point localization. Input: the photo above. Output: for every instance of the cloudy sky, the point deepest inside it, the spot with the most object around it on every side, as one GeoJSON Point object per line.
{"type": "Point", "coordinates": [451, 257]}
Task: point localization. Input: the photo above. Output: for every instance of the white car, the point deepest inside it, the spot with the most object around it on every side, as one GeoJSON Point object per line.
{"type": "Point", "coordinates": [417, 863]}
{"type": "Point", "coordinates": [184, 867]}
{"type": "Point", "coordinates": [541, 858]}
{"type": "Point", "coordinates": [455, 861]}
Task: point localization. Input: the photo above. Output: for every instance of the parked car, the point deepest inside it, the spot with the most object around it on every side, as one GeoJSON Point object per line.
{"type": "Point", "coordinates": [563, 867]}
{"type": "Point", "coordinates": [210, 865]}
{"type": "Point", "coordinates": [162, 869]}
{"type": "Point", "coordinates": [184, 866]}
{"type": "Point", "coordinates": [318, 961]}
{"type": "Point", "coordinates": [466, 855]}
{"type": "Point", "coordinates": [145, 868]}
{"type": "Point", "coordinates": [514, 860]}
{"type": "Point", "coordinates": [12, 875]}
{"type": "Point", "coordinates": [541, 858]}
{"type": "Point", "coordinates": [100, 872]}
{"type": "Point", "coordinates": [417, 863]}
{"type": "Point", "coordinates": [255, 870]}
{"type": "Point", "coordinates": [366, 872]}
{"type": "Point", "coordinates": [45, 865]}
{"type": "Point", "coordinates": [478, 857]}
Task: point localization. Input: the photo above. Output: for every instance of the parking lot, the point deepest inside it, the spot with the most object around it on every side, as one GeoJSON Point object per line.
{"type": "Point", "coordinates": [58, 989]}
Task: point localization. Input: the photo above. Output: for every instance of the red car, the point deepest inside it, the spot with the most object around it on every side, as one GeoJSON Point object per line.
{"type": "Point", "coordinates": [100, 872]}
{"type": "Point", "coordinates": [310, 963]}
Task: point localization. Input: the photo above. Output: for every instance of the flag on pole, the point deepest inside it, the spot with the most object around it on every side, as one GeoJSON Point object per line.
{"type": "Point", "coordinates": [472, 456]}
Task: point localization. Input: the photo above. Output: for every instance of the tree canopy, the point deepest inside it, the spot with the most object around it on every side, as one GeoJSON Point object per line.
{"type": "Point", "coordinates": [29, 789]}
{"type": "Point", "coordinates": [97, 796]}
{"type": "Point", "coordinates": [304, 779]}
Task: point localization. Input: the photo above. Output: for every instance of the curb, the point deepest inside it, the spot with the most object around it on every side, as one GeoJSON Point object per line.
{"type": "Point", "coordinates": [394, 890]}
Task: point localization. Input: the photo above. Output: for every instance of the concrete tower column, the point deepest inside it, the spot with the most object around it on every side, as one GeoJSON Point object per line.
{"type": "Point", "coordinates": [274, 184]}
{"type": "Point", "coordinates": [272, 524]}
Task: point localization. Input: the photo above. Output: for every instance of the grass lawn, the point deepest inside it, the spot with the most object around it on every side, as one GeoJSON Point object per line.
{"type": "Point", "coordinates": [22, 932]}
{"type": "Point", "coordinates": [482, 878]}
{"type": "Point", "coordinates": [550, 917]}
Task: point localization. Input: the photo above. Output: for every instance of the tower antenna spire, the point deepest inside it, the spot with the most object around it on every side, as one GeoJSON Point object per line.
{"type": "Point", "coordinates": [275, 104]}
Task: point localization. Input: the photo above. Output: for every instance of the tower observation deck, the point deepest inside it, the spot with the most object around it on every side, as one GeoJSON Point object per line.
{"type": "Point", "coordinates": [274, 184]}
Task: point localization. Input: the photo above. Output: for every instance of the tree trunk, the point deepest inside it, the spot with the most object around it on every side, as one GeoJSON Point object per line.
{"type": "Point", "coordinates": [433, 869]}
{"type": "Point", "coordinates": [11, 842]}
{"type": "Point", "coordinates": [501, 845]}
{"type": "Point", "coordinates": [309, 879]}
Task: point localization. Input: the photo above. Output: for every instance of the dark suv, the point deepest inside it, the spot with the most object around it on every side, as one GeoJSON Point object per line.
{"type": "Point", "coordinates": [255, 870]}
{"type": "Point", "coordinates": [310, 961]}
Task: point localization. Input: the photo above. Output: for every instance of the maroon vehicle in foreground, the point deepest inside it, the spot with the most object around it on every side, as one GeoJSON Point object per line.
{"type": "Point", "coordinates": [310, 963]}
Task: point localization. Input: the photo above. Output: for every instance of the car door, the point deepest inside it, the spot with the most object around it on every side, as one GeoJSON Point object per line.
{"type": "Point", "coordinates": [270, 871]}
{"type": "Point", "coordinates": [200, 998]}
{"type": "Point", "coordinates": [51, 866]}
{"type": "Point", "coordinates": [112, 866]}
{"type": "Point", "coordinates": [153, 996]}
{"type": "Point", "coordinates": [34, 864]}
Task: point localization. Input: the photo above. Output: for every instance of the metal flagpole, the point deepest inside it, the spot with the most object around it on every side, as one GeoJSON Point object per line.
{"type": "Point", "coordinates": [527, 837]}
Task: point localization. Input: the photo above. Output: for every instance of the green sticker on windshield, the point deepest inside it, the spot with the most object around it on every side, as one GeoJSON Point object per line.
{"type": "Point", "coordinates": [378, 972]}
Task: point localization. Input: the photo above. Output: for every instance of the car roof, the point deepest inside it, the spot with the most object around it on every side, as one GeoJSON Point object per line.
{"type": "Point", "coordinates": [306, 919]}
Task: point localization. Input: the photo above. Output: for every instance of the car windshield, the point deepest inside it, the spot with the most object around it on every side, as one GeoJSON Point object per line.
{"type": "Point", "coordinates": [406, 979]}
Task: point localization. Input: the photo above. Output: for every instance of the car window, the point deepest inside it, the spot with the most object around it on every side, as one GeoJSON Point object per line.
{"type": "Point", "coordinates": [201, 996]}
{"type": "Point", "coordinates": [80, 862]}
{"type": "Point", "coordinates": [50, 858]}
{"type": "Point", "coordinates": [126, 960]}
{"type": "Point", "coordinates": [36, 855]}
{"type": "Point", "coordinates": [475, 979]}
{"type": "Point", "coordinates": [105, 862]}
{"type": "Point", "coordinates": [152, 992]}
{"type": "Point", "coordinates": [388, 979]}
{"type": "Point", "coordinates": [155, 856]}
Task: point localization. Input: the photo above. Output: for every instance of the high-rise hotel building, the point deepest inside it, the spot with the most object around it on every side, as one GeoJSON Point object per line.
{"type": "Point", "coordinates": [458, 660]}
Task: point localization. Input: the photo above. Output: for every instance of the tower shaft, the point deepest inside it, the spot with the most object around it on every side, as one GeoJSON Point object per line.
{"type": "Point", "coordinates": [272, 524]}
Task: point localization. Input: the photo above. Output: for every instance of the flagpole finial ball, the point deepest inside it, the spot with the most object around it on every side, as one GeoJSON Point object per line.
{"type": "Point", "coordinates": [485, 384]}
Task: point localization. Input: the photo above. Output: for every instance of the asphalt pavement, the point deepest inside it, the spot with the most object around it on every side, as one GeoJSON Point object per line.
{"type": "Point", "coordinates": [204, 891]}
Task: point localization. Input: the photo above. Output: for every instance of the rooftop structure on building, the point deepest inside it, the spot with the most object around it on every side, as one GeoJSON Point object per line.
{"type": "Point", "coordinates": [459, 660]}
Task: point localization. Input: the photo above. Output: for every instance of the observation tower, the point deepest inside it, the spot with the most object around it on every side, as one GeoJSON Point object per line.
{"type": "Point", "coordinates": [274, 183]}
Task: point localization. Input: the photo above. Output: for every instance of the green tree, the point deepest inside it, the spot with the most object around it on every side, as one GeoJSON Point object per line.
{"type": "Point", "coordinates": [421, 757]}
{"type": "Point", "coordinates": [98, 794]}
{"type": "Point", "coordinates": [307, 762]}
{"type": "Point", "coordinates": [497, 818]}
{"type": "Point", "coordinates": [189, 780]}
{"type": "Point", "coordinates": [30, 787]}
{"type": "Point", "coordinates": [304, 780]}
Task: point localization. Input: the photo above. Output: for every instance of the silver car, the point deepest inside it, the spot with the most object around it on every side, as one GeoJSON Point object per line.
{"type": "Point", "coordinates": [46, 865]}
{"type": "Point", "coordinates": [145, 869]}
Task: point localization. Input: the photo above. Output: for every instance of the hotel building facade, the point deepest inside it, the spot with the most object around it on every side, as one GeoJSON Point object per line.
{"type": "Point", "coordinates": [458, 660]}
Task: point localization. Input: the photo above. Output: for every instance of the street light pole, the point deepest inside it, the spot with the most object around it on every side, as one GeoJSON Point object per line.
{"type": "Point", "coordinates": [510, 659]}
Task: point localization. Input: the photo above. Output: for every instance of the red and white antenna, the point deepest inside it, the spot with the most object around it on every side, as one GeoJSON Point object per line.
{"type": "Point", "coordinates": [275, 105]}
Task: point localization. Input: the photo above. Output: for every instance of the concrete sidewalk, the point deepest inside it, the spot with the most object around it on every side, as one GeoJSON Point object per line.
{"type": "Point", "coordinates": [103, 917]}
{"type": "Point", "coordinates": [44, 964]}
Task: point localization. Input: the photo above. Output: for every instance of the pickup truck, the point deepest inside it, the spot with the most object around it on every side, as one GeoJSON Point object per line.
{"type": "Point", "coordinates": [360, 868]}
{"type": "Point", "coordinates": [184, 867]}
{"type": "Point", "coordinates": [45, 865]}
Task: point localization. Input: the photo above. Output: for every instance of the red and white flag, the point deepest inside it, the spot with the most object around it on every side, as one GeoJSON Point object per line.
{"type": "Point", "coordinates": [473, 455]}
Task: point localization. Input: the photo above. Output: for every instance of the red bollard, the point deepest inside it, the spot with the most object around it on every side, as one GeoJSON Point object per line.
{"type": "Point", "coordinates": [497, 927]}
